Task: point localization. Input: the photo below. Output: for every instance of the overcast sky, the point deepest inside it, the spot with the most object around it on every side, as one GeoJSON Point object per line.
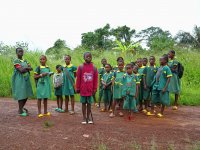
{"type": "Point", "coordinates": [42, 22]}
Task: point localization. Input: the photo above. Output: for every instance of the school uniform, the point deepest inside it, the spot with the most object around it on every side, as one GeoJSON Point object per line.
{"type": "Point", "coordinates": [149, 73]}
{"type": "Point", "coordinates": [159, 83]}
{"type": "Point", "coordinates": [101, 72]}
{"type": "Point", "coordinates": [107, 94]}
{"type": "Point", "coordinates": [87, 82]}
{"type": "Point", "coordinates": [129, 85]}
{"type": "Point", "coordinates": [58, 83]}
{"type": "Point", "coordinates": [174, 85]}
{"type": "Point", "coordinates": [21, 84]}
{"type": "Point", "coordinates": [141, 88]}
{"type": "Point", "coordinates": [118, 85]}
{"type": "Point", "coordinates": [44, 83]}
{"type": "Point", "coordinates": [68, 79]}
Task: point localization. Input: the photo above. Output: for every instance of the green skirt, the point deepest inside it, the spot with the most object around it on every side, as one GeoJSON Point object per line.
{"type": "Point", "coordinates": [86, 99]}
{"type": "Point", "coordinates": [129, 103]}
{"type": "Point", "coordinates": [174, 85]}
{"type": "Point", "coordinates": [58, 91]}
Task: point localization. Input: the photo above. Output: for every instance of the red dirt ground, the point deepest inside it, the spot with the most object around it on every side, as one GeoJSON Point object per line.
{"type": "Point", "coordinates": [178, 130]}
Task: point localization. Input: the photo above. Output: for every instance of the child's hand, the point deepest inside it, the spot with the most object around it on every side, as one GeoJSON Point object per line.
{"type": "Point", "coordinates": [164, 90]}
{"type": "Point", "coordinates": [44, 74]}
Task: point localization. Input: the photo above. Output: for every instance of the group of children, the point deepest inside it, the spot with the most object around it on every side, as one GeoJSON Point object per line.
{"type": "Point", "coordinates": [129, 86]}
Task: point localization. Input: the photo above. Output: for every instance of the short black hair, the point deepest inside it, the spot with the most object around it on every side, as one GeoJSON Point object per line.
{"type": "Point", "coordinates": [109, 65]}
{"type": "Point", "coordinates": [173, 52]}
{"type": "Point", "coordinates": [86, 54]}
{"type": "Point", "coordinates": [58, 66]}
{"type": "Point", "coordinates": [43, 56]}
{"type": "Point", "coordinates": [145, 58]}
{"type": "Point", "coordinates": [165, 56]}
{"type": "Point", "coordinates": [103, 59]}
{"type": "Point", "coordinates": [132, 63]}
{"type": "Point", "coordinates": [139, 59]}
{"type": "Point", "coordinates": [129, 65]}
{"type": "Point", "coordinates": [152, 57]}
{"type": "Point", "coordinates": [19, 48]}
{"type": "Point", "coordinates": [68, 56]}
{"type": "Point", "coordinates": [120, 58]}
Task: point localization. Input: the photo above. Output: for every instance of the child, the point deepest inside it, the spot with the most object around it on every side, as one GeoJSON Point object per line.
{"type": "Point", "coordinates": [117, 89]}
{"type": "Point", "coordinates": [119, 59]}
{"type": "Point", "coordinates": [42, 74]}
{"type": "Point", "coordinates": [86, 85]}
{"type": "Point", "coordinates": [69, 74]}
{"type": "Point", "coordinates": [141, 87]}
{"type": "Point", "coordinates": [145, 61]}
{"type": "Point", "coordinates": [174, 85]}
{"type": "Point", "coordinates": [58, 83]}
{"type": "Point", "coordinates": [101, 72]}
{"type": "Point", "coordinates": [160, 92]}
{"type": "Point", "coordinates": [106, 82]}
{"type": "Point", "coordinates": [149, 73]}
{"type": "Point", "coordinates": [21, 85]}
{"type": "Point", "coordinates": [130, 89]}
{"type": "Point", "coordinates": [135, 71]}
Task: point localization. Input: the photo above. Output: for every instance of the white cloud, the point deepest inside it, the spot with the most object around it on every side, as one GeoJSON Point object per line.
{"type": "Point", "coordinates": [41, 22]}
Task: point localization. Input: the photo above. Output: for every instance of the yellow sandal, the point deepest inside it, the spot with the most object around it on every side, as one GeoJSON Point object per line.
{"type": "Point", "coordinates": [159, 115]}
{"type": "Point", "coordinates": [150, 114]}
{"type": "Point", "coordinates": [47, 114]}
{"type": "Point", "coordinates": [40, 115]}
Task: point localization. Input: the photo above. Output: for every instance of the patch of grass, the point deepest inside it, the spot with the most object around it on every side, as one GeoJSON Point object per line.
{"type": "Point", "coordinates": [48, 124]}
{"type": "Point", "coordinates": [135, 146]}
{"type": "Point", "coordinates": [153, 146]}
{"type": "Point", "coordinates": [102, 147]}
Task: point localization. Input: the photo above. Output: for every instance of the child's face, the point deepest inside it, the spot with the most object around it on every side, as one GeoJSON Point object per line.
{"type": "Point", "coordinates": [88, 58]}
{"type": "Point", "coordinates": [129, 69]}
{"type": "Point", "coordinates": [103, 62]}
{"type": "Point", "coordinates": [20, 53]}
{"type": "Point", "coordinates": [139, 62]}
{"type": "Point", "coordinates": [135, 69]}
{"type": "Point", "coordinates": [120, 66]}
{"type": "Point", "coordinates": [170, 55]}
{"type": "Point", "coordinates": [151, 61]}
{"type": "Point", "coordinates": [67, 60]}
{"type": "Point", "coordinates": [162, 61]}
{"type": "Point", "coordinates": [145, 62]}
{"type": "Point", "coordinates": [43, 60]}
{"type": "Point", "coordinates": [59, 70]}
{"type": "Point", "coordinates": [107, 68]}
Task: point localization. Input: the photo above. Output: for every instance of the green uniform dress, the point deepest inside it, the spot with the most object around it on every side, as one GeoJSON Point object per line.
{"type": "Point", "coordinates": [44, 83]}
{"type": "Point", "coordinates": [21, 85]}
{"type": "Point", "coordinates": [118, 85]}
{"type": "Point", "coordinates": [149, 73]}
{"type": "Point", "coordinates": [129, 85]}
{"type": "Point", "coordinates": [68, 84]}
{"type": "Point", "coordinates": [174, 85]}
{"type": "Point", "coordinates": [101, 72]}
{"type": "Point", "coordinates": [141, 88]}
{"type": "Point", "coordinates": [159, 83]}
{"type": "Point", "coordinates": [58, 83]}
{"type": "Point", "coordinates": [107, 94]}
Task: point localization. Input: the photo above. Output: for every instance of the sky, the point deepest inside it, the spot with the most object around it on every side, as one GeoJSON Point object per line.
{"type": "Point", "coordinates": [42, 22]}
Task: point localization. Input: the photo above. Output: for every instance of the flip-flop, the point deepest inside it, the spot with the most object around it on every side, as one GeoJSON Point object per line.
{"type": "Point", "coordinates": [47, 114]}
{"type": "Point", "coordinates": [61, 110]}
{"type": "Point", "coordinates": [57, 109]}
{"type": "Point", "coordinates": [40, 115]}
{"type": "Point", "coordinates": [150, 114]}
{"type": "Point", "coordinates": [159, 115]}
{"type": "Point", "coordinates": [144, 111]}
{"type": "Point", "coordinates": [102, 110]}
{"type": "Point", "coordinates": [24, 114]}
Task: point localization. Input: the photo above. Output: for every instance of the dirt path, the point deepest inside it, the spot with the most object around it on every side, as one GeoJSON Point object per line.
{"type": "Point", "coordinates": [178, 130]}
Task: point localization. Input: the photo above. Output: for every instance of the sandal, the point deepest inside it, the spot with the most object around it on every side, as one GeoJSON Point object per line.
{"type": "Point", "coordinates": [159, 115]}
{"type": "Point", "coordinates": [61, 110]}
{"type": "Point", "coordinates": [121, 114]}
{"type": "Point", "coordinates": [47, 114]}
{"type": "Point", "coordinates": [72, 113]}
{"type": "Point", "coordinates": [174, 108]}
{"type": "Point", "coordinates": [57, 109]}
{"type": "Point", "coordinates": [40, 115]}
{"type": "Point", "coordinates": [112, 115]}
{"type": "Point", "coordinates": [150, 114]}
{"type": "Point", "coordinates": [144, 111]}
{"type": "Point", "coordinates": [24, 114]}
{"type": "Point", "coordinates": [102, 110]}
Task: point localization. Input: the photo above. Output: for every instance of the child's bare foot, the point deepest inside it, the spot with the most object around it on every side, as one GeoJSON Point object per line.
{"type": "Point", "coordinates": [72, 113]}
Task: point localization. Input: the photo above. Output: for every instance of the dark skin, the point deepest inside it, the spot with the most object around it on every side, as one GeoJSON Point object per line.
{"type": "Point", "coordinates": [172, 56]}
{"type": "Point", "coordinates": [22, 103]}
{"type": "Point", "coordinates": [107, 68]}
{"type": "Point", "coordinates": [129, 70]}
{"type": "Point", "coordinates": [163, 63]}
{"type": "Point", "coordinates": [152, 63]}
{"type": "Point", "coordinates": [145, 61]}
{"type": "Point", "coordinates": [68, 61]}
{"type": "Point", "coordinates": [120, 67]}
{"type": "Point", "coordinates": [59, 98]}
{"type": "Point", "coordinates": [86, 107]}
{"type": "Point", "coordinates": [139, 62]}
{"type": "Point", "coordinates": [43, 61]}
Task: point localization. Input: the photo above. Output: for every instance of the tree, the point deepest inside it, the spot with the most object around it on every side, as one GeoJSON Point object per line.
{"type": "Point", "coordinates": [123, 34]}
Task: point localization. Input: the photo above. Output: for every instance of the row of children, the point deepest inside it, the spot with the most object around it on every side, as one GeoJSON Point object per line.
{"type": "Point", "coordinates": [139, 83]}
{"type": "Point", "coordinates": [129, 85]}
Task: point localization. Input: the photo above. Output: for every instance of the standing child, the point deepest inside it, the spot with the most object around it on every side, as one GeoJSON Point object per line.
{"type": "Point", "coordinates": [149, 73]}
{"type": "Point", "coordinates": [21, 85]}
{"type": "Point", "coordinates": [86, 85]}
{"type": "Point", "coordinates": [130, 89]}
{"type": "Point", "coordinates": [101, 72]}
{"type": "Point", "coordinates": [42, 75]}
{"type": "Point", "coordinates": [69, 74]}
{"type": "Point", "coordinates": [119, 59]}
{"type": "Point", "coordinates": [141, 87]}
{"type": "Point", "coordinates": [58, 83]}
{"type": "Point", "coordinates": [135, 71]}
{"type": "Point", "coordinates": [174, 85]}
{"type": "Point", "coordinates": [106, 82]}
{"type": "Point", "coordinates": [160, 92]}
{"type": "Point", "coordinates": [145, 61]}
{"type": "Point", "coordinates": [117, 89]}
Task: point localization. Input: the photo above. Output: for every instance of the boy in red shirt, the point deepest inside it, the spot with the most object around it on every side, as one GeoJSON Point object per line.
{"type": "Point", "coordinates": [86, 85]}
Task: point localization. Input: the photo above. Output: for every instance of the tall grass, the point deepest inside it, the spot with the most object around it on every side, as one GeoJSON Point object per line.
{"type": "Point", "coordinates": [190, 84]}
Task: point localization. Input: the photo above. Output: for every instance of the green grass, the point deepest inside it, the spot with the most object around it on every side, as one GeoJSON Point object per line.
{"type": "Point", "coordinates": [190, 94]}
